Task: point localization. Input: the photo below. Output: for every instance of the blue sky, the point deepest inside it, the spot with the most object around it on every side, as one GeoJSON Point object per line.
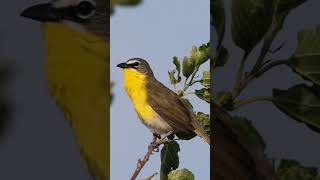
{"type": "Point", "coordinates": [155, 31]}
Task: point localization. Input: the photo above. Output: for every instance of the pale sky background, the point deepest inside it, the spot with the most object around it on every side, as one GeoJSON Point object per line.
{"type": "Point", "coordinates": [155, 31]}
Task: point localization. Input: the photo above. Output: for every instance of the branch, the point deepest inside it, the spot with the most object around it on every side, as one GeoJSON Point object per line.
{"type": "Point", "coordinates": [270, 66]}
{"type": "Point", "coordinates": [277, 49]}
{"type": "Point", "coordinates": [244, 102]}
{"type": "Point", "coordinates": [271, 34]}
{"type": "Point", "coordinates": [153, 147]}
{"type": "Point", "coordinates": [257, 74]}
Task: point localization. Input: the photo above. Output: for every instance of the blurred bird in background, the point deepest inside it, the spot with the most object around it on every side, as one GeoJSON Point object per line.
{"type": "Point", "coordinates": [76, 34]}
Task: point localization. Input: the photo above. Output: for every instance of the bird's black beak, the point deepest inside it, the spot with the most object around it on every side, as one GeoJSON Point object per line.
{"type": "Point", "coordinates": [42, 13]}
{"type": "Point", "coordinates": [123, 65]}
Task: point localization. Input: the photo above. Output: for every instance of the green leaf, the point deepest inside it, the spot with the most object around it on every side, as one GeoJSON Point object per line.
{"type": "Point", "coordinates": [247, 128]}
{"type": "Point", "coordinates": [293, 170]}
{"type": "Point", "coordinates": [251, 20]}
{"type": "Point", "coordinates": [200, 55]}
{"type": "Point", "coordinates": [204, 120]}
{"type": "Point", "coordinates": [204, 94]}
{"type": "Point", "coordinates": [176, 62]}
{"type": "Point", "coordinates": [305, 60]}
{"type": "Point", "coordinates": [169, 159]}
{"type": "Point", "coordinates": [218, 17]}
{"type": "Point", "coordinates": [283, 8]}
{"type": "Point", "coordinates": [188, 66]}
{"type": "Point", "coordinates": [205, 80]}
{"type": "Point", "coordinates": [300, 102]}
{"type": "Point", "coordinates": [173, 80]}
{"type": "Point", "coordinates": [183, 174]}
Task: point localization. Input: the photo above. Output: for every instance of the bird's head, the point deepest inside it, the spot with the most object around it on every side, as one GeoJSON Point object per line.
{"type": "Point", "coordinates": [81, 15]}
{"type": "Point", "coordinates": [138, 65]}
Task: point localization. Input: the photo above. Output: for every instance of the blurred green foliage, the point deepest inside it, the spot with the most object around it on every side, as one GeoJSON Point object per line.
{"type": "Point", "coordinates": [293, 170]}
{"type": "Point", "coordinates": [260, 21]}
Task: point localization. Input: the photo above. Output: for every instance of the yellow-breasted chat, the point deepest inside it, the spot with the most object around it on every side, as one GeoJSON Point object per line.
{"type": "Point", "coordinates": [76, 34]}
{"type": "Point", "coordinates": [159, 108]}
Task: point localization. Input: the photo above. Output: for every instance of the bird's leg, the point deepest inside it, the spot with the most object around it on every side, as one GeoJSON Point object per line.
{"type": "Point", "coordinates": [156, 135]}
{"type": "Point", "coordinates": [153, 144]}
{"type": "Point", "coordinates": [164, 137]}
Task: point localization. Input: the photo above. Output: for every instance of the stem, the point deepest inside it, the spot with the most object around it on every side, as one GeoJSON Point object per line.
{"type": "Point", "coordinates": [175, 88]}
{"type": "Point", "coordinates": [244, 102]}
{"type": "Point", "coordinates": [193, 75]}
{"type": "Point", "coordinates": [197, 81]}
{"type": "Point", "coordinates": [153, 147]}
{"type": "Point", "coordinates": [145, 159]}
{"type": "Point", "coordinates": [240, 73]}
{"type": "Point", "coordinates": [191, 82]}
{"type": "Point", "coordinates": [185, 82]}
{"type": "Point", "coordinates": [270, 66]}
{"type": "Point", "coordinates": [257, 74]}
{"type": "Point", "coordinates": [271, 34]}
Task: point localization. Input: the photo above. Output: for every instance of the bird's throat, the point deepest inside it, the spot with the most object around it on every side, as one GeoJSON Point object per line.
{"type": "Point", "coordinates": [135, 85]}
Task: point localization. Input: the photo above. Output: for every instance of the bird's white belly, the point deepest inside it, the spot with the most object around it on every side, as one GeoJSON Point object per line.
{"type": "Point", "coordinates": [157, 125]}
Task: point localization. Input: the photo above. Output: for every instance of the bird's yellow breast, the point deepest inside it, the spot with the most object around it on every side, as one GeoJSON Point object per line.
{"type": "Point", "coordinates": [135, 86]}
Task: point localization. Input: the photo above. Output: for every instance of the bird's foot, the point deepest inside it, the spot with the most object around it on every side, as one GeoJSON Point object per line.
{"type": "Point", "coordinates": [156, 135]}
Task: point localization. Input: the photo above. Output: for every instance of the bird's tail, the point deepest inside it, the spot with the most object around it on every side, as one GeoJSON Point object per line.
{"type": "Point", "coordinates": [198, 129]}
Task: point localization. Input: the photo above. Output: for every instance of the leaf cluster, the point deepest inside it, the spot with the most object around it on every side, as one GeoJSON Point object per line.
{"type": "Point", "coordinates": [260, 21]}
{"type": "Point", "coordinates": [293, 170]}
{"type": "Point", "coordinates": [186, 71]}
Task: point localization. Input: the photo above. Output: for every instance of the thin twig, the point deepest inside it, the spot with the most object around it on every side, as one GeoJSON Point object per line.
{"type": "Point", "coordinates": [257, 74]}
{"type": "Point", "coordinates": [270, 66]}
{"type": "Point", "coordinates": [145, 159]}
{"type": "Point", "coordinates": [240, 73]}
{"type": "Point", "coordinates": [244, 102]}
{"type": "Point", "coordinates": [271, 34]}
{"type": "Point", "coordinates": [277, 49]}
{"type": "Point", "coordinates": [154, 145]}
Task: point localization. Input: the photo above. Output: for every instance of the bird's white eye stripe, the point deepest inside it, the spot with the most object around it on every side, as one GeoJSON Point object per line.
{"type": "Point", "coordinates": [132, 61]}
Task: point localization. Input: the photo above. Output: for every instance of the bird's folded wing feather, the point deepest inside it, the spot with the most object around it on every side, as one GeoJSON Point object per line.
{"type": "Point", "coordinates": [168, 105]}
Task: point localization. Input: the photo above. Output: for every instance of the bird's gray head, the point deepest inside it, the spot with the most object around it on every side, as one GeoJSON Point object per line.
{"type": "Point", "coordinates": [137, 64]}
{"type": "Point", "coordinates": [82, 15]}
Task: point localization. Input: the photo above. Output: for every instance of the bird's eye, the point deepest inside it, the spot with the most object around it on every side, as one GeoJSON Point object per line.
{"type": "Point", "coordinates": [136, 64]}
{"type": "Point", "coordinates": [85, 9]}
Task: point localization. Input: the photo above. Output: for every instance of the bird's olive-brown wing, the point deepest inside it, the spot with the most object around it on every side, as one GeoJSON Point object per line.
{"type": "Point", "coordinates": [169, 106]}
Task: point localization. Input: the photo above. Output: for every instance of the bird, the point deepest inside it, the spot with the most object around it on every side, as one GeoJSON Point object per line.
{"type": "Point", "coordinates": [159, 108]}
{"type": "Point", "coordinates": [76, 39]}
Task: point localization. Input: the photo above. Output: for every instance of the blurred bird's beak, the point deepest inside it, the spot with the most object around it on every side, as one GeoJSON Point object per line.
{"type": "Point", "coordinates": [42, 13]}
{"type": "Point", "coordinates": [123, 65]}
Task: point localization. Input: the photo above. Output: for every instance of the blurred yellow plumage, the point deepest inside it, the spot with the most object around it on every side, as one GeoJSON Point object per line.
{"type": "Point", "coordinates": [77, 70]}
